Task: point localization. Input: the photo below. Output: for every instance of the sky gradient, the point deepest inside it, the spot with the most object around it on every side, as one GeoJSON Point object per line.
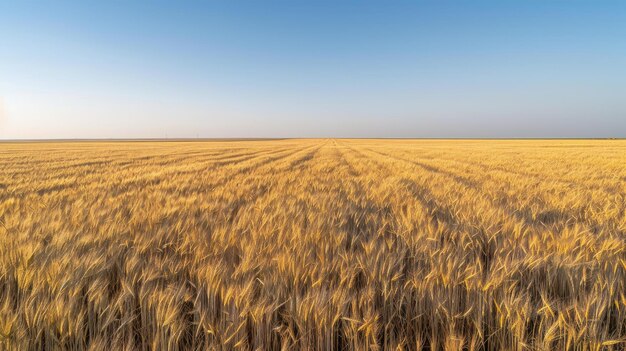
{"type": "Point", "coordinates": [160, 69]}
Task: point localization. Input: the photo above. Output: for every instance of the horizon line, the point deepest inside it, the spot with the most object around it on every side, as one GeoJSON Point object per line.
{"type": "Point", "coordinates": [232, 139]}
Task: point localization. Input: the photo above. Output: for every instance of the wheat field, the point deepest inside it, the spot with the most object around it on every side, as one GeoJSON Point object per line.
{"type": "Point", "coordinates": [313, 245]}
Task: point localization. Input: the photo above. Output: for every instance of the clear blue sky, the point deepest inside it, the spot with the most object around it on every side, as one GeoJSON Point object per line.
{"type": "Point", "coordinates": [111, 69]}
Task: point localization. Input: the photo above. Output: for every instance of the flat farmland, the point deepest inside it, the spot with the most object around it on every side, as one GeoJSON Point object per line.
{"type": "Point", "coordinates": [315, 244]}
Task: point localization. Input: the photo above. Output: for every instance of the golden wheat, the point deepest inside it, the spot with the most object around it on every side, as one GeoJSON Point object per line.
{"type": "Point", "coordinates": [313, 245]}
